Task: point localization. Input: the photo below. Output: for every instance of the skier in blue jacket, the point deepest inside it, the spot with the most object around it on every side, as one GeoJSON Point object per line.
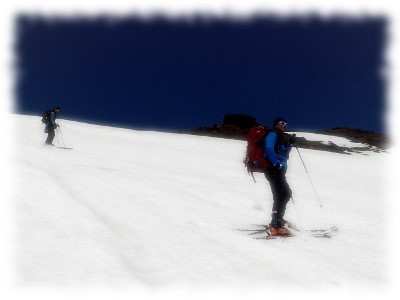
{"type": "Point", "coordinates": [277, 148]}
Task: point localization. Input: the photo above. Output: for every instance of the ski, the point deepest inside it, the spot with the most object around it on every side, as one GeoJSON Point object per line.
{"type": "Point", "coordinates": [253, 231]}
{"type": "Point", "coordinates": [274, 237]}
{"type": "Point", "coordinates": [264, 234]}
{"type": "Point", "coordinates": [322, 233]}
{"type": "Point", "coordinates": [333, 228]}
{"type": "Point", "coordinates": [59, 147]}
{"type": "Point", "coordinates": [269, 236]}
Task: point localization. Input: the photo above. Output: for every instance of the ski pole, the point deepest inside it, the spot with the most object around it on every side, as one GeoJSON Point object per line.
{"type": "Point", "coordinates": [309, 176]}
{"type": "Point", "coordinates": [59, 130]}
{"type": "Point", "coordinates": [58, 140]}
{"type": "Point", "coordinates": [295, 209]}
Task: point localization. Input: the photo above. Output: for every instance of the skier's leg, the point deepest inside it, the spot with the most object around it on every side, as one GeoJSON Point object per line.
{"type": "Point", "coordinates": [284, 193]}
{"type": "Point", "coordinates": [51, 134]}
{"type": "Point", "coordinates": [274, 181]}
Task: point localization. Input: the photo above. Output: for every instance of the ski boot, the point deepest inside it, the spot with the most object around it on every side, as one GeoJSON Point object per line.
{"type": "Point", "coordinates": [280, 231]}
{"type": "Point", "coordinates": [277, 227]}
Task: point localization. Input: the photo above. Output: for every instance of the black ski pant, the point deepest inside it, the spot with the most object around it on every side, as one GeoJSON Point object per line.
{"type": "Point", "coordinates": [280, 191]}
{"type": "Point", "coordinates": [50, 134]}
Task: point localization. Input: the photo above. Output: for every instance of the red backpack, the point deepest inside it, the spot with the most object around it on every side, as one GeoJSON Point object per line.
{"type": "Point", "coordinates": [254, 160]}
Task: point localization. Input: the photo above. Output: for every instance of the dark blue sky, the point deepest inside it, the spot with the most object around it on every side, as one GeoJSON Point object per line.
{"type": "Point", "coordinates": [181, 74]}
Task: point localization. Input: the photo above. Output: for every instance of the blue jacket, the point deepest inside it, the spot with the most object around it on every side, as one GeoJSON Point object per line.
{"type": "Point", "coordinates": [275, 150]}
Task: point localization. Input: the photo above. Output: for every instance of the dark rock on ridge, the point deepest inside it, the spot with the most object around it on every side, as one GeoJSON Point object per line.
{"type": "Point", "coordinates": [236, 126]}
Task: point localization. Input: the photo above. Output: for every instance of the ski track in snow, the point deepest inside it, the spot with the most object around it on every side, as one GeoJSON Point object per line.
{"type": "Point", "coordinates": [128, 207]}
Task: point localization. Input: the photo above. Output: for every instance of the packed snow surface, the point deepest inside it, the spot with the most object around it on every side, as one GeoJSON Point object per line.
{"type": "Point", "coordinates": [146, 210]}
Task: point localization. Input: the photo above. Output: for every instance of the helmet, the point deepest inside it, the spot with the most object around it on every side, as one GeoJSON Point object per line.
{"type": "Point", "coordinates": [56, 108]}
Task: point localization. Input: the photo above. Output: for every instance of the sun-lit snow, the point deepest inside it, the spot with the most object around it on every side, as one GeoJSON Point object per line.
{"type": "Point", "coordinates": [325, 139]}
{"type": "Point", "coordinates": [158, 210]}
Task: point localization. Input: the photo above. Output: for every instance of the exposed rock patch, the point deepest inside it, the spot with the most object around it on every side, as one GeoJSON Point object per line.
{"type": "Point", "coordinates": [236, 126]}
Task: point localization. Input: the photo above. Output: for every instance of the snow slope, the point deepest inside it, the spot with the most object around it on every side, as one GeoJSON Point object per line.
{"type": "Point", "coordinates": [159, 212]}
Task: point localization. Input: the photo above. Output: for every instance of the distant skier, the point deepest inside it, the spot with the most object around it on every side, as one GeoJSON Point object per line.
{"type": "Point", "coordinates": [49, 119]}
{"type": "Point", "coordinates": [277, 148]}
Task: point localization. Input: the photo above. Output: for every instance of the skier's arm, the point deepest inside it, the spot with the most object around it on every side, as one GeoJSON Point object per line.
{"type": "Point", "coordinates": [53, 119]}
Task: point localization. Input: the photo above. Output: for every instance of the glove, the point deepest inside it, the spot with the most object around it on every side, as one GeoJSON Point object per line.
{"type": "Point", "coordinates": [55, 125]}
{"type": "Point", "coordinates": [279, 166]}
{"type": "Point", "coordinates": [292, 139]}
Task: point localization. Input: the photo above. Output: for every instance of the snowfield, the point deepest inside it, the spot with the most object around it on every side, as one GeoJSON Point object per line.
{"type": "Point", "coordinates": [157, 214]}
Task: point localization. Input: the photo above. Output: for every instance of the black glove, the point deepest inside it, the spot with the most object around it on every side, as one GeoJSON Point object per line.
{"type": "Point", "coordinates": [55, 126]}
{"type": "Point", "coordinates": [292, 139]}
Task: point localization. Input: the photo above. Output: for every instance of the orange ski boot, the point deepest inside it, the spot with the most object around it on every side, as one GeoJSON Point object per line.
{"type": "Point", "coordinates": [280, 231]}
